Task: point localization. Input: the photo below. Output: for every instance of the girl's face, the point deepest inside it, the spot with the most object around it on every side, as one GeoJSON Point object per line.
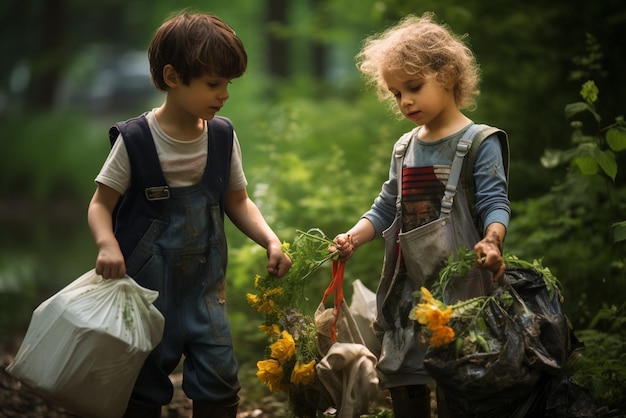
{"type": "Point", "coordinates": [422, 100]}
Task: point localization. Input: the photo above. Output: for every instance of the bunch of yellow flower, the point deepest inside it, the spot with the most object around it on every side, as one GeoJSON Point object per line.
{"type": "Point", "coordinates": [435, 315]}
{"type": "Point", "coordinates": [266, 301]}
{"type": "Point", "coordinates": [272, 371]}
{"type": "Point", "coordinates": [291, 362]}
{"type": "Point", "coordinates": [292, 352]}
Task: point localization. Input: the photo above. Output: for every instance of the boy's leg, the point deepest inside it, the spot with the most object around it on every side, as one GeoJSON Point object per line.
{"type": "Point", "coordinates": [134, 411]}
{"type": "Point", "coordinates": [204, 409]}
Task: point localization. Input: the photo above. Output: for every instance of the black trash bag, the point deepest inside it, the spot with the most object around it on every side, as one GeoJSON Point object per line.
{"type": "Point", "coordinates": [563, 397]}
{"type": "Point", "coordinates": [547, 335]}
{"type": "Point", "coordinates": [528, 340]}
{"type": "Point", "coordinates": [492, 384]}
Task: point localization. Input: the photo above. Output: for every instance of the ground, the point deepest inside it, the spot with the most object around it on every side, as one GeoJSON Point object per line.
{"type": "Point", "coordinates": [17, 401]}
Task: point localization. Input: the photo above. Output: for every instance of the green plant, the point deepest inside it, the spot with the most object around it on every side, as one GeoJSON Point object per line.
{"type": "Point", "coordinates": [601, 366]}
{"type": "Point", "coordinates": [594, 154]}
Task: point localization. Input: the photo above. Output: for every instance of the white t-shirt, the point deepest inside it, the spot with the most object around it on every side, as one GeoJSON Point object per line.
{"type": "Point", "coordinates": [182, 162]}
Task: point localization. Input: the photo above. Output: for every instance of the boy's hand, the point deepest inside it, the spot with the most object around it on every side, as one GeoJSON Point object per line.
{"type": "Point", "coordinates": [110, 262]}
{"type": "Point", "coordinates": [278, 263]}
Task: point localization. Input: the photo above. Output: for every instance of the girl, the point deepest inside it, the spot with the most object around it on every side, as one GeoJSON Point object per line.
{"type": "Point", "coordinates": [429, 75]}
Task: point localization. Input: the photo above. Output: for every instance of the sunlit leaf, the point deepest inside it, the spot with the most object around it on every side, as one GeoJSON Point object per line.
{"type": "Point", "coordinates": [606, 160]}
{"type": "Point", "coordinates": [616, 138]}
{"type": "Point", "coordinates": [587, 165]}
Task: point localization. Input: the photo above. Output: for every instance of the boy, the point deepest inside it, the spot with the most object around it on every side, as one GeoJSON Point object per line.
{"type": "Point", "coordinates": [158, 213]}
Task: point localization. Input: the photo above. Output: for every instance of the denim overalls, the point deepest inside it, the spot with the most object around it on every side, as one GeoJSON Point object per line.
{"type": "Point", "coordinates": [173, 241]}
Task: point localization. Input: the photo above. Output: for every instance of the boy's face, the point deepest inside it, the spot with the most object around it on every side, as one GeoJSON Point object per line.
{"type": "Point", "coordinates": [203, 96]}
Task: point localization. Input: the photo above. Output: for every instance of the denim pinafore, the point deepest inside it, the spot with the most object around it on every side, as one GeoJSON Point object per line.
{"type": "Point", "coordinates": [413, 259]}
{"type": "Point", "coordinates": [173, 241]}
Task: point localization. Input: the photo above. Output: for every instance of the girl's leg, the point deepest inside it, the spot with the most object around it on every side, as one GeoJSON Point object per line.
{"type": "Point", "coordinates": [410, 401]}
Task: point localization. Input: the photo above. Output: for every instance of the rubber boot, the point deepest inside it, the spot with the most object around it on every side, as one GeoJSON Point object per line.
{"type": "Point", "coordinates": [410, 401]}
{"type": "Point", "coordinates": [135, 411]}
{"type": "Point", "coordinates": [206, 409]}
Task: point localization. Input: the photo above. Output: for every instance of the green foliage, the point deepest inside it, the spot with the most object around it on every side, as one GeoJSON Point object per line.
{"type": "Point", "coordinates": [460, 263]}
{"type": "Point", "coordinates": [601, 366]}
{"type": "Point", "coordinates": [308, 168]}
{"type": "Point", "coordinates": [50, 155]}
{"type": "Point", "coordinates": [577, 221]}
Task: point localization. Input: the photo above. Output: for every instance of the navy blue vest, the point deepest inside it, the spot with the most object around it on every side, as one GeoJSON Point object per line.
{"type": "Point", "coordinates": [148, 192]}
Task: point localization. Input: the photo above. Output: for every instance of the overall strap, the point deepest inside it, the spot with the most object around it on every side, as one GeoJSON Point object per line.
{"type": "Point", "coordinates": [221, 139]}
{"type": "Point", "coordinates": [462, 148]}
{"type": "Point", "coordinates": [401, 148]}
{"type": "Point", "coordinates": [148, 193]}
{"type": "Point", "coordinates": [142, 154]}
{"type": "Point", "coordinates": [470, 160]}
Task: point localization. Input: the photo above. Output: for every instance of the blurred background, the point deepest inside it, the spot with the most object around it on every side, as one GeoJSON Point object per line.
{"type": "Point", "coordinates": [316, 142]}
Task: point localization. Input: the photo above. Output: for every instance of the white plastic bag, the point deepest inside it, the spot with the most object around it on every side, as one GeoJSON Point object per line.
{"type": "Point", "coordinates": [363, 309]}
{"type": "Point", "coordinates": [86, 344]}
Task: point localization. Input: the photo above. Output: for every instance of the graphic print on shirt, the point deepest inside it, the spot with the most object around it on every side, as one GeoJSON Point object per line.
{"type": "Point", "coordinates": [422, 190]}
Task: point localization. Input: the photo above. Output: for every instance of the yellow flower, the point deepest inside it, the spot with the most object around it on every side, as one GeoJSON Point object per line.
{"type": "Point", "coordinates": [271, 292]}
{"type": "Point", "coordinates": [271, 374]}
{"type": "Point", "coordinates": [267, 307]}
{"type": "Point", "coordinates": [437, 318]}
{"type": "Point", "coordinates": [303, 373]}
{"type": "Point", "coordinates": [253, 299]}
{"type": "Point", "coordinates": [421, 313]}
{"type": "Point", "coordinates": [427, 297]}
{"type": "Point", "coordinates": [270, 330]}
{"type": "Point", "coordinates": [441, 336]}
{"type": "Point", "coordinates": [256, 281]}
{"type": "Point", "coordinates": [428, 311]}
{"type": "Point", "coordinates": [284, 348]}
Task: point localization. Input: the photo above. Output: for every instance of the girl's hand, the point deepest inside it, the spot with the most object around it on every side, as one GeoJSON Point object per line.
{"type": "Point", "coordinates": [489, 257]}
{"type": "Point", "coordinates": [345, 246]}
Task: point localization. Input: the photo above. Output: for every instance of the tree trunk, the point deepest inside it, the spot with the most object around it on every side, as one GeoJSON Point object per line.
{"type": "Point", "coordinates": [276, 17]}
{"type": "Point", "coordinates": [49, 56]}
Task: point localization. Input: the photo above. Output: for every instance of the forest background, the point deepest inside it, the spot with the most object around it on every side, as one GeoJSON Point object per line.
{"type": "Point", "coordinates": [317, 143]}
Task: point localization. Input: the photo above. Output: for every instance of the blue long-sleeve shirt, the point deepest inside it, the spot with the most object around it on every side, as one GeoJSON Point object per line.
{"type": "Point", "coordinates": [492, 203]}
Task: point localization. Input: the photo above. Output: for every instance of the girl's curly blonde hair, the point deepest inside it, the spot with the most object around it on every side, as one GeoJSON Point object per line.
{"type": "Point", "coordinates": [422, 48]}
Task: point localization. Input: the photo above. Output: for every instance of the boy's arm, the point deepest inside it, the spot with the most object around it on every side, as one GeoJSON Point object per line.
{"type": "Point", "coordinates": [248, 218]}
{"type": "Point", "coordinates": [110, 261]}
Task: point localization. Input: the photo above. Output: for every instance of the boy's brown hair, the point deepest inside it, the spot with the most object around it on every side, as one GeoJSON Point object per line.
{"type": "Point", "coordinates": [195, 45]}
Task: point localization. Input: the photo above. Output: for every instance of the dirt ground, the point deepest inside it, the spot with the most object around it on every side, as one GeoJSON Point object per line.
{"type": "Point", "coordinates": [18, 401]}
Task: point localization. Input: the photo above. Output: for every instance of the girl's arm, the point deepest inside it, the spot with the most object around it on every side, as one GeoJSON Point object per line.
{"type": "Point", "coordinates": [492, 205]}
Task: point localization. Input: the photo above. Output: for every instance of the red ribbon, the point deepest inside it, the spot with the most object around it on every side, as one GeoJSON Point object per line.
{"type": "Point", "coordinates": [336, 285]}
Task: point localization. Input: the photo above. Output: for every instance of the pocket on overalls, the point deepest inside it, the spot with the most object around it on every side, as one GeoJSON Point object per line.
{"type": "Point", "coordinates": [390, 235]}
{"type": "Point", "coordinates": [425, 249]}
